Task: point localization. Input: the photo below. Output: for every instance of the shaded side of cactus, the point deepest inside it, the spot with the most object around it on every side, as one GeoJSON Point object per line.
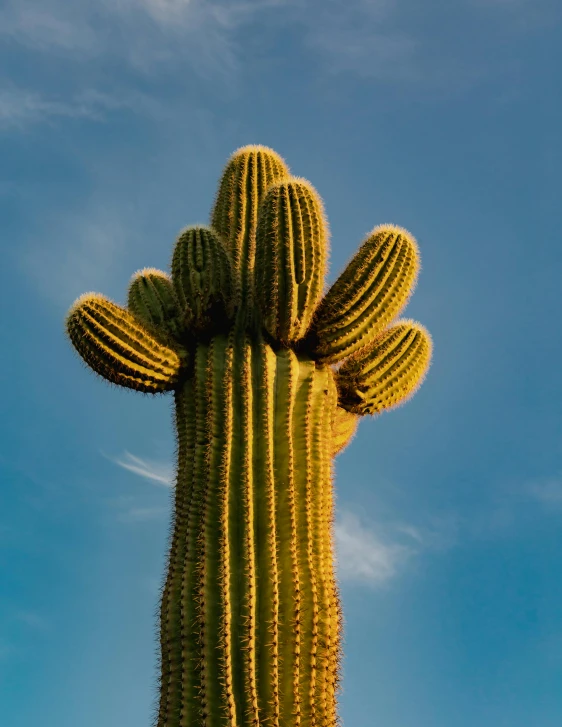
{"type": "Point", "coordinates": [203, 280]}
{"type": "Point", "coordinates": [250, 619]}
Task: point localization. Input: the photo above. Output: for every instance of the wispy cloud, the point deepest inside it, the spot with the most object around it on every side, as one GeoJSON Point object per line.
{"type": "Point", "coordinates": [363, 557]}
{"type": "Point", "coordinates": [548, 492]}
{"type": "Point", "coordinates": [167, 10]}
{"type": "Point", "coordinates": [363, 37]}
{"type": "Point", "coordinates": [161, 473]}
{"type": "Point", "coordinates": [33, 620]}
{"type": "Point", "coordinates": [369, 38]}
{"type": "Point", "coordinates": [142, 514]}
{"type": "Point", "coordinates": [22, 107]}
{"type": "Point", "coordinates": [131, 508]}
{"type": "Point", "coordinates": [86, 245]}
{"type": "Point", "coordinates": [50, 24]}
{"type": "Point", "coordinates": [379, 40]}
{"type": "Point", "coordinates": [156, 31]}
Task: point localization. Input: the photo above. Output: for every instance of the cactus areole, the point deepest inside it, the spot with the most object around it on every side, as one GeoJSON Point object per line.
{"type": "Point", "coordinates": [243, 335]}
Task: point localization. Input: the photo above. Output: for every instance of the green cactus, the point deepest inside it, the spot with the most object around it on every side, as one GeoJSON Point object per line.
{"type": "Point", "coordinates": [251, 621]}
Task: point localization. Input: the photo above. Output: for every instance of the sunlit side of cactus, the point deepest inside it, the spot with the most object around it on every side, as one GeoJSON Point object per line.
{"type": "Point", "coordinates": [251, 621]}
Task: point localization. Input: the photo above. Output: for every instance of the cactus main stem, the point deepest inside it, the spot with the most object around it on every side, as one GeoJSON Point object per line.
{"type": "Point", "coordinates": [251, 620]}
{"type": "Point", "coordinates": [250, 615]}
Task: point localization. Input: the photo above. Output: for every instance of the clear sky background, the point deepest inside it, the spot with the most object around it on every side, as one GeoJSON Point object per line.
{"type": "Point", "coordinates": [116, 118]}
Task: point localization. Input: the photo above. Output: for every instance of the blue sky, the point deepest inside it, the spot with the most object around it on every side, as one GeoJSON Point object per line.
{"type": "Point", "coordinates": [116, 117]}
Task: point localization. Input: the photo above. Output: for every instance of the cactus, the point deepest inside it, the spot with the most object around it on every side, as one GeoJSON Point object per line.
{"type": "Point", "coordinates": [269, 384]}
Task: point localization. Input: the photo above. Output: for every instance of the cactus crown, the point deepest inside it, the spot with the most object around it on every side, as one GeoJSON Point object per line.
{"type": "Point", "coordinates": [261, 265]}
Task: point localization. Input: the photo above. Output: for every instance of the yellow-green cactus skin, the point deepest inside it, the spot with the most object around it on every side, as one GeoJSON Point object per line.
{"type": "Point", "coordinates": [270, 380]}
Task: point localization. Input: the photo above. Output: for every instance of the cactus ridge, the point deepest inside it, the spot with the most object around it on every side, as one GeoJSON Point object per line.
{"type": "Point", "coordinates": [250, 617]}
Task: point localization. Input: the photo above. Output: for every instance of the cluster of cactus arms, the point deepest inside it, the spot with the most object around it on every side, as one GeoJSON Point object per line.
{"type": "Point", "coordinates": [270, 376]}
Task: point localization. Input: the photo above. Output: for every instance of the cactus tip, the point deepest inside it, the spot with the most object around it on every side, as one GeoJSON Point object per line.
{"type": "Point", "coordinates": [148, 271]}
{"type": "Point", "coordinates": [255, 148]}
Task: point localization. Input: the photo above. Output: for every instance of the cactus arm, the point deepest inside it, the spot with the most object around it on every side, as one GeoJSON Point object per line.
{"type": "Point", "coordinates": [151, 297]}
{"type": "Point", "coordinates": [344, 428]}
{"type": "Point", "coordinates": [244, 183]}
{"type": "Point", "coordinates": [368, 295]}
{"type": "Point", "coordinates": [152, 300]}
{"type": "Point", "coordinates": [116, 346]}
{"type": "Point", "coordinates": [388, 372]}
{"type": "Point", "coordinates": [203, 279]}
{"type": "Point", "coordinates": [245, 180]}
{"type": "Point", "coordinates": [291, 258]}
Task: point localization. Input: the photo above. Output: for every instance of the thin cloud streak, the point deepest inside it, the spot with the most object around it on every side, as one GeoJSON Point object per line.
{"type": "Point", "coordinates": [159, 472]}
{"type": "Point", "coordinates": [20, 108]}
{"type": "Point", "coordinates": [142, 514]}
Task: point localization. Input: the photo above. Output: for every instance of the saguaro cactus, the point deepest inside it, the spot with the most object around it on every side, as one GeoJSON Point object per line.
{"type": "Point", "coordinates": [250, 624]}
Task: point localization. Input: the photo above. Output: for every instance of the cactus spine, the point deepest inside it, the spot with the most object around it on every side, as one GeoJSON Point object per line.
{"type": "Point", "coordinates": [250, 620]}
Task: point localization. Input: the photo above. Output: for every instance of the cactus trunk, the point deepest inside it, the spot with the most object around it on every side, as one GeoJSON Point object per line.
{"type": "Point", "coordinates": [250, 619]}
